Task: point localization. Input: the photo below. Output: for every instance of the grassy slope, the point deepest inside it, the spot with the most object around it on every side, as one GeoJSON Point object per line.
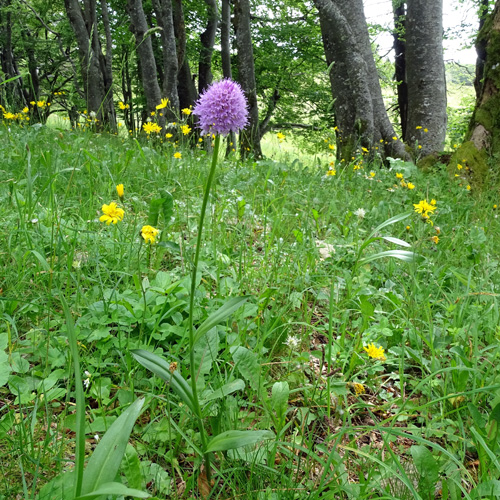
{"type": "Point", "coordinates": [271, 227]}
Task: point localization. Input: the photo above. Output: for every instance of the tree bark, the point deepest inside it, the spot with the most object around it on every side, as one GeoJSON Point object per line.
{"type": "Point", "coordinates": [480, 47]}
{"type": "Point", "coordinates": [164, 15]}
{"type": "Point", "coordinates": [107, 68]}
{"type": "Point", "coordinates": [484, 130]}
{"type": "Point", "coordinates": [250, 136]}
{"type": "Point", "coordinates": [383, 131]}
{"type": "Point", "coordinates": [348, 79]}
{"type": "Point", "coordinates": [225, 40]}
{"type": "Point", "coordinates": [207, 46]}
{"type": "Point", "coordinates": [144, 49]}
{"type": "Point", "coordinates": [186, 87]}
{"type": "Point", "coordinates": [89, 59]}
{"type": "Point", "coordinates": [425, 75]}
{"type": "Point", "coordinates": [400, 63]}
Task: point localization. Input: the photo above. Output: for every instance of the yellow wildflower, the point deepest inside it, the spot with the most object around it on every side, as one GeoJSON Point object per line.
{"type": "Point", "coordinates": [112, 213]}
{"type": "Point", "coordinates": [410, 185]}
{"type": "Point", "coordinates": [435, 239]}
{"type": "Point", "coordinates": [280, 136]}
{"type": "Point", "coordinates": [149, 234]}
{"type": "Point", "coordinates": [186, 129]}
{"type": "Point", "coordinates": [163, 104]}
{"type": "Point", "coordinates": [120, 191]}
{"type": "Point", "coordinates": [358, 388]}
{"type": "Point", "coordinates": [177, 155]}
{"type": "Point", "coordinates": [331, 172]}
{"type": "Point", "coordinates": [399, 175]}
{"type": "Point", "coordinates": [186, 111]}
{"type": "Point", "coordinates": [375, 352]}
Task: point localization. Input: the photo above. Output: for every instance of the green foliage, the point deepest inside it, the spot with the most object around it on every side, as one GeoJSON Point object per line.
{"type": "Point", "coordinates": [324, 367]}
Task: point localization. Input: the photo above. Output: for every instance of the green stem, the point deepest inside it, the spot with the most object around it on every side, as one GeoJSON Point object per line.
{"type": "Point", "coordinates": [192, 367]}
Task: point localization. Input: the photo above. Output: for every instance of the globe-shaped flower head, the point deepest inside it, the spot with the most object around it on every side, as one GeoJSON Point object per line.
{"type": "Point", "coordinates": [222, 108]}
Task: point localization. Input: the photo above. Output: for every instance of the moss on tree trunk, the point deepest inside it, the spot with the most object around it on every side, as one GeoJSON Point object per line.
{"type": "Point", "coordinates": [483, 137]}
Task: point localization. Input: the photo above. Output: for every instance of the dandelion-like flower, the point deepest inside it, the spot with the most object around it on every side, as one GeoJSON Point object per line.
{"type": "Point", "coordinates": [163, 104]}
{"type": "Point", "coordinates": [375, 352]}
{"type": "Point", "coordinates": [360, 212]}
{"type": "Point", "coordinates": [425, 208]}
{"type": "Point", "coordinates": [112, 213]}
{"type": "Point", "coordinates": [120, 191]}
{"type": "Point", "coordinates": [149, 233]}
{"type": "Point", "coordinates": [222, 108]}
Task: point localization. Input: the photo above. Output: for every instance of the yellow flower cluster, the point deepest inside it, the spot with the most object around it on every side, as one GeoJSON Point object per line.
{"type": "Point", "coordinates": [150, 127]}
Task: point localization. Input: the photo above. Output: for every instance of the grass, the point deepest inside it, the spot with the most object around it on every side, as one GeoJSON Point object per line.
{"type": "Point", "coordinates": [421, 419]}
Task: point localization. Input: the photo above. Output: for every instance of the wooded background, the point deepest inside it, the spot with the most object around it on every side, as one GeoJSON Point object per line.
{"type": "Point", "coordinates": [303, 65]}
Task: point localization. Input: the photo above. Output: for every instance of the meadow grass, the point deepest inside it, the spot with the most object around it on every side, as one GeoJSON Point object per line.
{"type": "Point", "coordinates": [371, 354]}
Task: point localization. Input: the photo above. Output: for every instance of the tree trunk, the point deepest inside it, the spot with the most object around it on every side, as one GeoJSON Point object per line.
{"type": "Point", "coordinates": [14, 88]}
{"type": "Point", "coordinates": [186, 87]}
{"type": "Point", "coordinates": [207, 46]}
{"type": "Point", "coordinates": [383, 131]}
{"type": "Point", "coordinates": [107, 69]}
{"type": "Point", "coordinates": [164, 16]}
{"type": "Point", "coordinates": [89, 60]}
{"type": "Point", "coordinates": [425, 74]}
{"type": "Point", "coordinates": [225, 40]}
{"type": "Point", "coordinates": [400, 63]}
{"type": "Point", "coordinates": [484, 129]}
{"type": "Point", "coordinates": [250, 136]}
{"type": "Point", "coordinates": [348, 79]}
{"type": "Point", "coordinates": [144, 49]}
{"type": "Point", "coordinates": [481, 47]}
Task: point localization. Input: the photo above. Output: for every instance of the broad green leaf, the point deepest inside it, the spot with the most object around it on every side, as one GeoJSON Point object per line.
{"type": "Point", "coordinates": [114, 489]}
{"type": "Point", "coordinates": [206, 351]}
{"type": "Point", "coordinates": [427, 468]}
{"type": "Point", "coordinates": [5, 368]}
{"type": "Point", "coordinates": [230, 440]}
{"type": "Point", "coordinates": [6, 423]}
{"type": "Point", "coordinates": [225, 390]}
{"type": "Point", "coordinates": [397, 254]}
{"type": "Point", "coordinates": [219, 316]}
{"type": "Point", "coordinates": [161, 369]}
{"type": "Point", "coordinates": [396, 241]}
{"type": "Point", "coordinates": [248, 365]}
{"type": "Point", "coordinates": [279, 399]}
{"type": "Point", "coordinates": [490, 489]}
{"type": "Point", "coordinates": [104, 463]}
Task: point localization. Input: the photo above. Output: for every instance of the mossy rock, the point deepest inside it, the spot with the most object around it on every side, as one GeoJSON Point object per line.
{"type": "Point", "coordinates": [473, 161]}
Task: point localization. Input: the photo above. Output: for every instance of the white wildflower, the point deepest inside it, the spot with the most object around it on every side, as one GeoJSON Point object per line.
{"type": "Point", "coordinates": [292, 342]}
{"type": "Point", "coordinates": [360, 212]}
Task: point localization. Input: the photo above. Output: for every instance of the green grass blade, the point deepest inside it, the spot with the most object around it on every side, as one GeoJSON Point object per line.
{"type": "Point", "coordinates": [219, 316]}
{"type": "Point", "coordinates": [161, 369]}
{"type": "Point", "coordinates": [405, 255]}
